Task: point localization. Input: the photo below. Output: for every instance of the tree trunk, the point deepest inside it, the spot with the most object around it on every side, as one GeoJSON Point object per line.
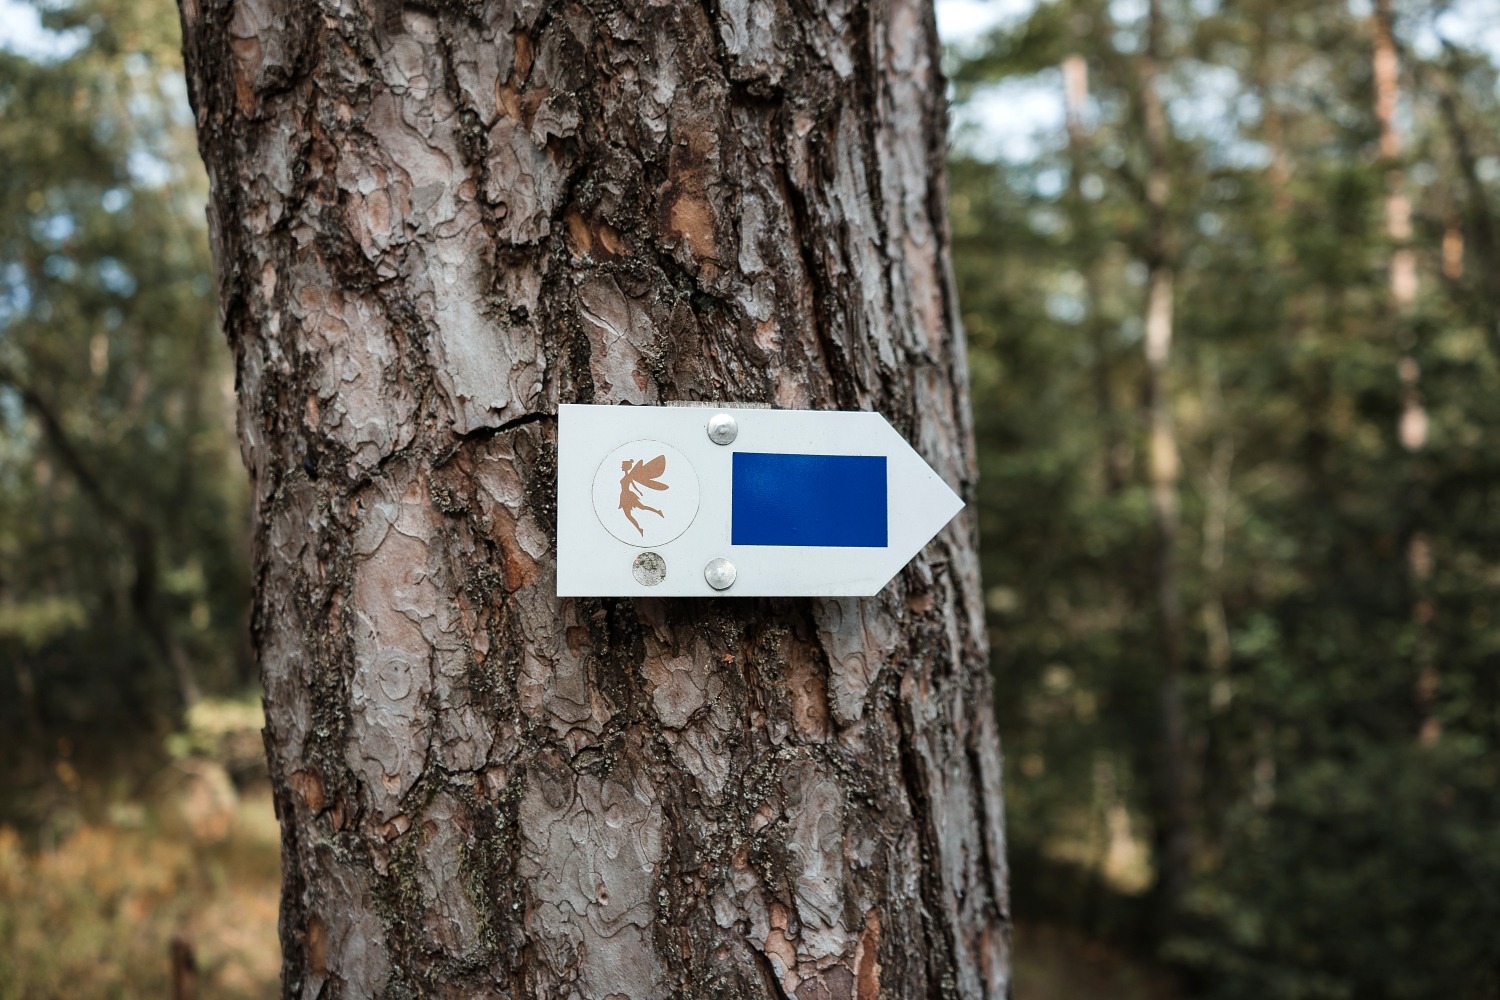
{"type": "Point", "coordinates": [1478, 212]}
{"type": "Point", "coordinates": [147, 597]}
{"type": "Point", "coordinates": [1412, 427]}
{"type": "Point", "coordinates": [1086, 245]}
{"type": "Point", "coordinates": [435, 223]}
{"type": "Point", "coordinates": [1173, 835]}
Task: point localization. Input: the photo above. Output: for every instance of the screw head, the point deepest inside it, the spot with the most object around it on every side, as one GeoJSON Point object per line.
{"type": "Point", "coordinates": [722, 428]}
{"type": "Point", "coordinates": [719, 573]}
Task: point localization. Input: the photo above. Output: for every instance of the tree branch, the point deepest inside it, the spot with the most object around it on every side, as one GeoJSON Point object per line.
{"type": "Point", "coordinates": [145, 591]}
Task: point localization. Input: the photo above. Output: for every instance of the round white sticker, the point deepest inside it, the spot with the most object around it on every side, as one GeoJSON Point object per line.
{"type": "Point", "coordinates": [645, 493]}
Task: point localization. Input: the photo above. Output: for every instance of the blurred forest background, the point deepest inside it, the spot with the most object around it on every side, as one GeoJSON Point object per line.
{"type": "Point", "coordinates": [1231, 279]}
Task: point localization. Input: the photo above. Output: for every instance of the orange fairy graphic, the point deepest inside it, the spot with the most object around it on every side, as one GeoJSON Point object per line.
{"type": "Point", "coordinates": [638, 474]}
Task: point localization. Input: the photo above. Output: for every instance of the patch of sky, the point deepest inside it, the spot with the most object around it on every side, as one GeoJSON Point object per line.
{"type": "Point", "coordinates": [174, 89]}
{"type": "Point", "coordinates": [12, 410]}
{"type": "Point", "coordinates": [1065, 308]}
{"type": "Point", "coordinates": [1200, 100]}
{"type": "Point", "coordinates": [963, 22]}
{"type": "Point", "coordinates": [115, 277]}
{"type": "Point", "coordinates": [1065, 302]}
{"type": "Point", "coordinates": [1129, 18]}
{"type": "Point", "coordinates": [22, 33]}
{"type": "Point", "coordinates": [145, 108]}
{"type": "Point", "coordinates": [114, 199]}
{"type": "Point", "coordinates": [1210, 103]}
{"type": "Point", "coordinates": [1127, 41]}
{"type": "Point", "coordinates": [1019, 119]}
{"type": "Point", "coordinates": [54, 227]}
{"type": "Point", "coordinates": [1471, 24]}
{"type": "Point", "coordinates": [1049, 183]}
{"type": "Point", "coordinates": [15, 294]}
{"type": "Point", "coordinates": [12, 276]}
{"type": "Point", "coordinates": [147, 169]}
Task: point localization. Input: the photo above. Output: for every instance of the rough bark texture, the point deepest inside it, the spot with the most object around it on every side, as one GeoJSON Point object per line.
{"type": "Point", "coordinates": [433, 224]}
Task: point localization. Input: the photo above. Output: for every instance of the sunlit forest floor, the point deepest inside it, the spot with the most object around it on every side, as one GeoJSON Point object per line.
{"type": "Point", "coordinates": [110, 854]}
{"type": "Point", "coordinates": [94, 913]}
{"type": "Point", "coordinates": [92, 900]}
{"type": "Point", "coordinates": [1056, 964]}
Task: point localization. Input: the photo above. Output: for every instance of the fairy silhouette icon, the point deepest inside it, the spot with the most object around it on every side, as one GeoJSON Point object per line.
{"type": "Point", "coordinates": [638, 474]}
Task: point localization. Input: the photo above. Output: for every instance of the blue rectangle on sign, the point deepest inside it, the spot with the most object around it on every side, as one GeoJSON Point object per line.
{"type": "Point", "coordinates": [823, 500]}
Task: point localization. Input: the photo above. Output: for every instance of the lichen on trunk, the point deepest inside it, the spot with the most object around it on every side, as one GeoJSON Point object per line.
{"type": "Point", "coordinates": [435, 223]}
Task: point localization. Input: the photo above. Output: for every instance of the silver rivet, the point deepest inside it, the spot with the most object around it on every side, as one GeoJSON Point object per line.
{"type": "Point", "coordinates": [649, 569]}
{"type": "Point", "coordinates": [719, 573]}
{"type": "Point", "coordinates": [722, 430]}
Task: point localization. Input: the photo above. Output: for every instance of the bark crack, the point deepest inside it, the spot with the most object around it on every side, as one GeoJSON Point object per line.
{"type": "Point", "coordinates": [936, 926]}
{"type": "Point", "coordinates": [845, 388]}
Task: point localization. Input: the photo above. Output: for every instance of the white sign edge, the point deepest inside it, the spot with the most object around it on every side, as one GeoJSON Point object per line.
{"type": "Point", "coordinates": [922, 498]}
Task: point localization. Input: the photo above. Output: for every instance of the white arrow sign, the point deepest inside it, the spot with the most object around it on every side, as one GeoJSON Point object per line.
{"type": "Point", "coordinates": [698, 501]}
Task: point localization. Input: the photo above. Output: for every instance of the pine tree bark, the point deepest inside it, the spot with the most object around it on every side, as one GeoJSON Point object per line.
{"type": "Point", "coordinates": [433, 223]}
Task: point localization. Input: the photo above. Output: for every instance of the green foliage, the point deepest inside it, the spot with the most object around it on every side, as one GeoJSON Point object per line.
{"type": "Point", "coordinates": [1338, 852]}
{"type": "Point", "coordinates": [1370, 876]}
{"type": "Point", "coordinates": [122, 570]}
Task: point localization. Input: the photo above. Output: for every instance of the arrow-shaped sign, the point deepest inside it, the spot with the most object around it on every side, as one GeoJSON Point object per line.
{"type": "Point", "coordinates": [697, 501]}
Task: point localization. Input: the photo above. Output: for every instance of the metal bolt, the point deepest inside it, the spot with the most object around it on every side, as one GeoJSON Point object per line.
{"type": "Point", "coordinates": [719, 573]}
{"type": "Point", "coordinates": [722, 430]}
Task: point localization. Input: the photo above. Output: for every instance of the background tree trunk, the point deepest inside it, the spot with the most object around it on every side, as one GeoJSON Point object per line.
{"type": "Point", "coordinates": [433, 224]}
{"type": "Point", "coordinates": [1173, 834]}
{"type": "Point", "coordinates": [1412, 426]}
